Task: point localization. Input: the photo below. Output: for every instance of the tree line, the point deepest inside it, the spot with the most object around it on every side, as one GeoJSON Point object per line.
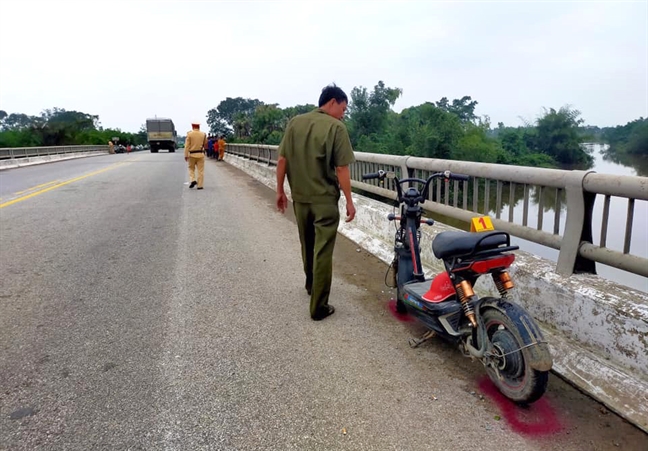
{"type": "Point", "coordinates": [58, 127]}
{"type": "Point", "coordinates": [628, 143]}
{"type": "Point", "coordinates": [447, 129]}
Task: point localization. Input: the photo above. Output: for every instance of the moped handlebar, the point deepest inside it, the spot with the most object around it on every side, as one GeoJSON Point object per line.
{"type": "Point", "coordinates": [374, 175]}
{"type": "Point", "coordinates": [460, 177]}
{"type": "Point", "coordinates": [381, 175]}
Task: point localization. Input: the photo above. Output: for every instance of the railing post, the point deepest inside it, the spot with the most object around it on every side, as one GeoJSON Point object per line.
{"type": "Point", "coordinates": [406, 171]}
{"type": "Point", "coordinates": [578, 226]}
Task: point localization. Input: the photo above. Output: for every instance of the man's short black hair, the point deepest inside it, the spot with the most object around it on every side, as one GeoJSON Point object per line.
{"type": "Point", "coordinates": [332, 92]}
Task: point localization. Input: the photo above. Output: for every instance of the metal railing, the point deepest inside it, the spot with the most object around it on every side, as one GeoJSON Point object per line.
{"type": "Point", "coordinates": [256, 152]}
{"type": "Point", "coordinates": [501, 188]}
{"type": "Point", "coordinates": [24, 152]}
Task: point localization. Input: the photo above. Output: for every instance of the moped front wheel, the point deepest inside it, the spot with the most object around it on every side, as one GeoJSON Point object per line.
{"type": "Point", "coordinates": [508, 365]}
{"type": "Point", "coordinates": [400, 305]}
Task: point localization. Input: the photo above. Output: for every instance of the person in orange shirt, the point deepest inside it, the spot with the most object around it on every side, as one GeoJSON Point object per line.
{"type": "Point", "coordinates": [221, 148]}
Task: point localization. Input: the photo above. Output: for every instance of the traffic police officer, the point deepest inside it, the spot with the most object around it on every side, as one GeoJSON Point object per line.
{"type": "Point", "coordinates": [315, 154]}
{"type": "Point", "coordinates": [194, 154]}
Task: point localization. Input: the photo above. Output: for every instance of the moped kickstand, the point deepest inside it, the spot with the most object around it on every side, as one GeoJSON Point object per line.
{"type": "Point", "coordinates": [414, 343]}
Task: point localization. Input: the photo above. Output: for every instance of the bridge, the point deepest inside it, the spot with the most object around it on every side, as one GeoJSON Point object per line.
{"type": "Point", "coordinates": [136, 313]}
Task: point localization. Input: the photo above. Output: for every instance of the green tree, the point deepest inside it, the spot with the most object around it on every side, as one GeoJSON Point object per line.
{"type": "Point", "coordinates": [428, 131]}
{"type": "Point", "coordinates": [631, 138]}
{"type": "Point", "coordinates": [293, 111]}
{"type": "Point", "coordinates": [60, 127]}
{"type": "Point", "coordinates": [217, 126]}
{"type": "Point", "coordinates": [513, 142]}
{"type": "Point", "coordinates": [559, 137]}
{"type": "Point", "coordinates": [242, 126]}
{"type": "Point", "coordinates": [56, 126]}
{"type": "Point", "coordinates": [222, 118]}
{"type": "Point", "coordinates": [368, 112]}
{"type": "Point", "coordinates": [638, 141]}
{"type": "Point", "coordinates": [19, 138]}
{"type": "Point", "coordinates": [16, 121]}
{"type": "Point", "coordinates": [463, 108]}
{"type": "Point", "coordinates": [267, 124]}
{"type": "Point", "coordinates": [474, 145]}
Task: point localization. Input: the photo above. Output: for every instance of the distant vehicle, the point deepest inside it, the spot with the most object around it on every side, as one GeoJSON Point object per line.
{"type": "Point", "coordinates": [161, 134]}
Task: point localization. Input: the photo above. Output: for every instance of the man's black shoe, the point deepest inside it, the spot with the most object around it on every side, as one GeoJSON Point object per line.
{"type": "Point", "coordinates": [323, 313]}
{"type": "Point", "coordinates": [200, 187]}
{"type": "Point", "coordinates": [193, 184]}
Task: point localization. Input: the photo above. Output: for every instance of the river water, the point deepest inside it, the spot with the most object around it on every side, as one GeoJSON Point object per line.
{"type": "Point", "coordinates": [616, 222]}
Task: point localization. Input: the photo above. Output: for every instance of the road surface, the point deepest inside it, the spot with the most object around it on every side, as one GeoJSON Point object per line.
{"type": "Point", "coordinates": [136, 313]}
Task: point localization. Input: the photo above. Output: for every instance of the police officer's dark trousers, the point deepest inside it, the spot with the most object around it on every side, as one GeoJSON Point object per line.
{"type": "Point", "coordinates": [317, 224]}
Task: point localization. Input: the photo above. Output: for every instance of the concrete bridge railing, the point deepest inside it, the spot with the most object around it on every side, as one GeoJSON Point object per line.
{"type": "Point", "coordinates": [597, 329]}
{"type": "Point", "coordinates": [27, 152]}
{"type": "Point", "coordinates": [575, 190]}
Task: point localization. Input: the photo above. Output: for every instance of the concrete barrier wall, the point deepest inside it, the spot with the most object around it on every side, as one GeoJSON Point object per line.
{"type": "Point", "coordinates": [12, 163]}
{"type": "Point", "coordinates": [597, 330]}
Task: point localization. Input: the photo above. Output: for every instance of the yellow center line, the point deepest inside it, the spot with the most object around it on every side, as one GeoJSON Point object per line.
{"type": "Point", "coordinates": [35, 187]}
{"type": "Point", "coordinates": [67, 182]}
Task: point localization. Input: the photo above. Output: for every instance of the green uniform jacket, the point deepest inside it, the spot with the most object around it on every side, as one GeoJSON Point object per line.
{"type": "Point", "coordinates": [314, 145]}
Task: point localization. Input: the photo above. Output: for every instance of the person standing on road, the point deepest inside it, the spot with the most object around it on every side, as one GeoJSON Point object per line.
{"type": "Point", "coordinates": [315, 154]}
{"type": "Point", "coordinates": [194, 154]}
{"type": "Point", "coordinates": [210, 146]}
{"type": "Point", "coordinates": [221, 148]}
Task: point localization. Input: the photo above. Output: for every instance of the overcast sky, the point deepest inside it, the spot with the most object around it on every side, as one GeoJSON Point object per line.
{"type": "Point", "coordinates": [126, 61]}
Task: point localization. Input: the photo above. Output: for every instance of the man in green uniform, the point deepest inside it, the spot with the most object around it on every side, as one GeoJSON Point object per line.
{"type": "Point", "coordinates": [315, 154]}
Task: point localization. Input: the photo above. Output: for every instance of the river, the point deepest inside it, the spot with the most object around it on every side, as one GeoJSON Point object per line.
{"type": "Point", "coordinates": [616, 224]}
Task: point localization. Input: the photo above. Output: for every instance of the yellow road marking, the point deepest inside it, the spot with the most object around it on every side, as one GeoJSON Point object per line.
{"type": "Point", "coordinates": [37, 186]}
{"type": "Point", "coordinates": [67, 182]}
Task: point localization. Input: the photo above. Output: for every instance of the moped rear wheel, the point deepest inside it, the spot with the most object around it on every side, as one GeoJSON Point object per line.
{"type": "Point", "coordinates": [509, 367]}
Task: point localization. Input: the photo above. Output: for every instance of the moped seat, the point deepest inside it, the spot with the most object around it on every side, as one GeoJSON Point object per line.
{"type": "Point", "coordinates": [461, 244]}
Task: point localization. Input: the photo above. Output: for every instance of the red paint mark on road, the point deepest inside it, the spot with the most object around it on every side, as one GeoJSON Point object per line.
{"type": "Point", "coordinates": [403, 317]}
{"type": "Point", "coordinates": [535, 420]}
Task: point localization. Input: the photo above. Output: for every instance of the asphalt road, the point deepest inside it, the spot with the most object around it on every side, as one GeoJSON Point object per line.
{"type": "Point", "coordinates": [138, 314]}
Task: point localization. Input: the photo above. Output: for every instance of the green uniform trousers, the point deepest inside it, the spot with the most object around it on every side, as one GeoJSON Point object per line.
{"type": "Point", "coordinates": [317, 224]}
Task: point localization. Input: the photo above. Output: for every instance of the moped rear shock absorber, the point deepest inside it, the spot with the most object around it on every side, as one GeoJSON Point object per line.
{"type": "Point", "coordinates": [465, 293]}
{"type": "Point", "coordinates": [503, 282]}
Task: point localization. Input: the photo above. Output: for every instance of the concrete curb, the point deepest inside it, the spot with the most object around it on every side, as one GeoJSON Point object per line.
{"type": "Point", "coordinates": [30, 161]}
{"type": "Point", "coordinates": [597, 329]}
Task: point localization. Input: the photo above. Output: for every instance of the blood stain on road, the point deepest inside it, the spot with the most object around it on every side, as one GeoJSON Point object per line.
{"type": "Point", "coordinates": [537, 419]}
{"type": "Point", "coordinates": [402, 317]}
